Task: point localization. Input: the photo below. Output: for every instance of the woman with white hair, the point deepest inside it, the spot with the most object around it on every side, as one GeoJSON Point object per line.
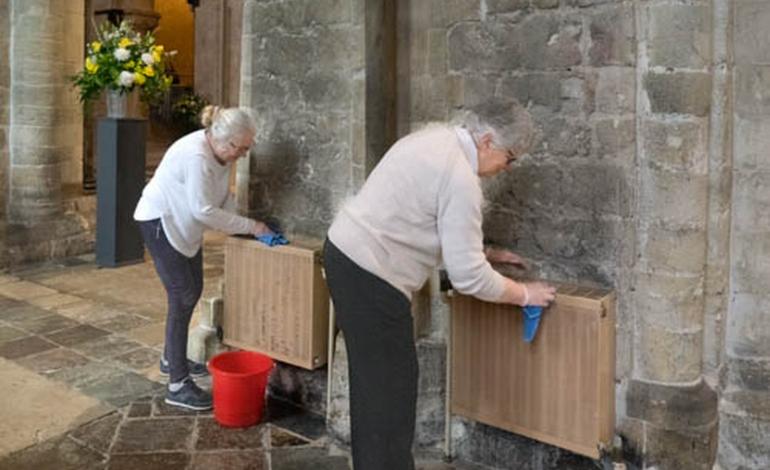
{"type": "Point", "coordinates": [421, 205]}
{"type": "Point", "coordinates": [189, 193]}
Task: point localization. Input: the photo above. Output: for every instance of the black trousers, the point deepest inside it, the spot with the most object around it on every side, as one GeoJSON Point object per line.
{"type": "Point", "coordinates": [183, 279]}
{"type": "Point", "coordinates": [376, 320]}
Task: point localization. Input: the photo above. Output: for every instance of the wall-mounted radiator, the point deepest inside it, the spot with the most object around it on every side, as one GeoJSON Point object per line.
{"type": "Point", "coordinates": [276, 300]}
{"type": "Point", "coordinates": [559, 389]}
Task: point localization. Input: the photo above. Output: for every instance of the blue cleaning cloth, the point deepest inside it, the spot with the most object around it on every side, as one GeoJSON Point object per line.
{"type": "Point", "coordinates": [273, 239]}
{"type": "Point", "coordinates": [531, 321]}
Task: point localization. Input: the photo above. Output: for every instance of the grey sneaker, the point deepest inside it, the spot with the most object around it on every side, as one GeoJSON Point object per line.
{"type": "Point", "coordinates": [190, 396]}
{"type": "Point", "coordinates": [196, 369]}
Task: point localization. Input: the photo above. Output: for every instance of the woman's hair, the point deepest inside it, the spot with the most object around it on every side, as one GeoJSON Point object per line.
{"type": "Point", "coordinates": [224, 123]}
{"type": "Point", "coordinates": [509, 123]}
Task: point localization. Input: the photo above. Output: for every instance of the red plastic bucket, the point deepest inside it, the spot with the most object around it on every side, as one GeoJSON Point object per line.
{"type": "Point", "coordinates": [239, 379]}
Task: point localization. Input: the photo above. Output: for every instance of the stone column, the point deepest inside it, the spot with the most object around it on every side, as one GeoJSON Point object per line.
{"type": "Point", "coordinates": [671, 411]}
{"type": "Point", "coordinates": [5, 98]}
{"type": "Point", "coordinates": [46, 118]}
{"type": "Point", "coordinates": [745, 404]}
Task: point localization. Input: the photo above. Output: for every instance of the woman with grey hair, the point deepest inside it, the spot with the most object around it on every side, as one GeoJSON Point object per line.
{"type": "Point", "coordinates": [189, 193]}
{"type": "Point", "coordinates": [421, 205]}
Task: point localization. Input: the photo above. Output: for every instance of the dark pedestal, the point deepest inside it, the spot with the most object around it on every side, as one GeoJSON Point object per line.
{"type": "Point", "coordinates": [120, 146]}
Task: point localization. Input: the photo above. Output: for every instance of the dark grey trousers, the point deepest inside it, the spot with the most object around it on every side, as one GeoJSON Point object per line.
{"type": "Point", "coordinates": [183, 279]}
{"type": "Point", "coordinates": [376, 320]}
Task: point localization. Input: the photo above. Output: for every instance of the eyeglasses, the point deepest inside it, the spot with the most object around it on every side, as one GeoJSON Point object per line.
{"type": "Point", "coordinates": [239, 148]}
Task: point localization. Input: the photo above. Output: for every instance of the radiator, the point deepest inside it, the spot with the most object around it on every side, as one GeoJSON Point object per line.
{"type": "Point", "coordinates": [559, 389]}
{"type": "Point", "coordinates": [275, 300]}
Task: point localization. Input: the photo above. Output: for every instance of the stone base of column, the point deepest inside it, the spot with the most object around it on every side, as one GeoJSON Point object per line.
{"type": "Point", "coordinates": [744, 415]}
{"type": "Point", "coordinates": [68, 235]}
{"type": "Point", "coordinates": [670, 426]}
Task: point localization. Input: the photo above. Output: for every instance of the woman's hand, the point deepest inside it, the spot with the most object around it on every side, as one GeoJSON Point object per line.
{"type": "Point", "coordinates": [531, 293]}
{"type": "Point", "coordinates": [539, 294]}
{"type": "Point", "coordinates": [259, 229]}
{"type": "Point", "coordinates": [503, 256]}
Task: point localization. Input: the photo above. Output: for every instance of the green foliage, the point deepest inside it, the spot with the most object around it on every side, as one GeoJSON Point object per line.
{"type": "Point", "coordinates": [123, 60]}
{"type": "Point", "coordinates": [187, 111]}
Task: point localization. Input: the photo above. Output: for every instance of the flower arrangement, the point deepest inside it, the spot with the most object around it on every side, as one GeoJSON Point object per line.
{"type": "Point", "coordinates": [122, 60]}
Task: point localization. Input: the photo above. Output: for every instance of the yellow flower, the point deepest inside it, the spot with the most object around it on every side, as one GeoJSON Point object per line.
{"type": "Point", "coordinates": [158, 49]}
{"type": "Point", "coordinates": [125, 42]}
{"type": "Point", "coordinates": [149, 71]}
{"type": "Point", "coordinates": [139, 79]}
{"type": "Point", "coordinates": [130, 64]}
{"type": "Point", "coordinates": [91, 67]}
{"type": "Point", "coordinates": [96, 46]}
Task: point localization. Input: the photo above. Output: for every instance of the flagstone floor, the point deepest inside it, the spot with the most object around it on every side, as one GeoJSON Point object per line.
{"type": "Point", "coordinates": [79, 350]}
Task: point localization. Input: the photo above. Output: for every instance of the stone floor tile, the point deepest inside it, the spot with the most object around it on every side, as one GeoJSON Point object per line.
{"type": "Point", "coordinates": [7, 302]}
{"type": "Point", "coordinates": [98, 434]}
{"type": "Point", "coordinates": [5, 278]}
{"type": "Point", "coordinates": [53, 360]}
{"type": "Point", "coordinates": [77, 334]}
{"type": "Point", "coordinates": [22, 347]}
{"type": "Point", "coordinates": [147, 435]}
{"type": "Point", "coordinates": [304, 458]}
{"type": "Point", "coordinates": [213, 436]}
{"type": "Point", "coordinates": [88, 374]}
{"type": "Point", "coordinates": [122, 322]}
{"type": "Point", "coordinates": [106, 346]}
{"type": "Point", "coordinates": [229, 460]}
{"type": "Point", "coordinates": [22, 290]}
{"type": "Point", "coordinates": [44, 325]}
{"type": "Point", "coordinates": [54, 301]}
{"type": "Point", "coordinates": [158, 461]}
{"type": "Point", "coordinates": [286, 415]}
{"type": "Point", "coordinates": [57, 454]}
{"type": "Point", "coordinates": [119, 390]}
{"type": "Point", "coordinates": [86, 311]}
{"type": "Point", "coordinates": [139, 410]}
{"type": "Point", "coordinates": [150, 335]}
{"type": "Point", "coordinates": [280, 437]}
{"type": "Point", "coordinates": [8, 333]}
{"type": "Point", "coordinates": [16, 311]}
{"type": "Point", "coordinates": [139, 359]}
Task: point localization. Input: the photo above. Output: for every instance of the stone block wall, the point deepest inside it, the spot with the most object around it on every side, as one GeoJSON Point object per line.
{"type": "Point", "coordinates": [648, 176]}
{"type": "Point", "coordinates": [745, 401]}
{"type": "Point", "coordinates": [5, 102]}
{"type": "Point", "coordinates": [312, 73]}
{"type": "Point", "coordinates": [568, 207]}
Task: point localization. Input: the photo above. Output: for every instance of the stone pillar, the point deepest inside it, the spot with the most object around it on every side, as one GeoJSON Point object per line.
{"type": "Point", "coordinates": [745, 403]}
{"type": "Point", "coordinates": [671, 411]}
{"type": "Point", "coordinates": [218, 39]}
{"type": "Point", "coordinates": [46, 119]}
{"type": "Point", "coordinates": [315, 78]}
{"type": "Point", "coordinates": [5, 102]}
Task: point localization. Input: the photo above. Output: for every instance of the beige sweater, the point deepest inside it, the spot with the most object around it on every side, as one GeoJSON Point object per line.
{"type": "Point", "coordinates": [420, 205]}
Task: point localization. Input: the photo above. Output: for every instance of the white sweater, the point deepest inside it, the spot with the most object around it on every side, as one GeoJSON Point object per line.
{"type": "Point", "coordinates": [421, 204]}
{"type": "Point", "coordinates": [189, 193]}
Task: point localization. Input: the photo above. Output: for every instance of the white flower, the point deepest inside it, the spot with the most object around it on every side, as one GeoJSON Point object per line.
{"type": "Point", "coordinates": [122, 54]}
{"type": "Point", "coordinates": [126, 79]}
{"type": "Point", "coordinates": [147, 58]}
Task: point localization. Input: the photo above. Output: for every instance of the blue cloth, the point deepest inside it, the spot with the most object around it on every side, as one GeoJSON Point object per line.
{"type": "Point", "coordinates": [273, 239]}
{"type": "Point", "coordinates": [532, 315]}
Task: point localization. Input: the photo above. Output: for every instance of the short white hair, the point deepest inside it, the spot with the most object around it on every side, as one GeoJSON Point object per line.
{"type": "Point", "coordinates": [226, 123]}
{"type": "Point", "coordinates": [509, 123]}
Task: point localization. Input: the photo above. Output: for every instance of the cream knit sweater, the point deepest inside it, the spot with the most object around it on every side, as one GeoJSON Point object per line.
{"type": "Point", "coordinates": [420, 205]}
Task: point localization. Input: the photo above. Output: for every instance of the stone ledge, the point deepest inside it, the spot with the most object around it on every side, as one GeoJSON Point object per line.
{"type": "Point", "coordinates": [672, 407]}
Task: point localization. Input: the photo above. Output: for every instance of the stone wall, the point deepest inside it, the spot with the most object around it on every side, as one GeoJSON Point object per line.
{"type": "Point", "coordinates": [5, 98]}
{"type": "Point", "coordinates": [310, 71]}
{"type": "Point", "coordinates": [635, 183]}
{"type": "Point", "coordinates": [745, 404]}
